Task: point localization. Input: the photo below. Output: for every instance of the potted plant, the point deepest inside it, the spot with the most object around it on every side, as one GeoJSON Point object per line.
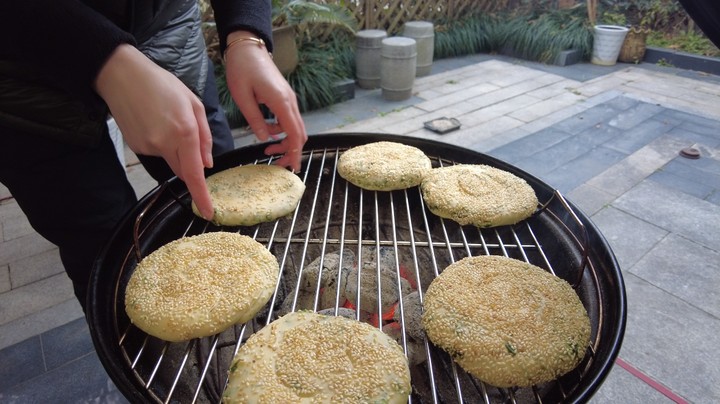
{"type": "Point", "coordinates": [608, 37]}
{"type": "Point", "coordinates": [293, 20]}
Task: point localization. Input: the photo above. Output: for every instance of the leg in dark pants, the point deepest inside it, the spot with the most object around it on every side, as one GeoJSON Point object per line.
{"type": "Point", "coordinates": [72, 195]}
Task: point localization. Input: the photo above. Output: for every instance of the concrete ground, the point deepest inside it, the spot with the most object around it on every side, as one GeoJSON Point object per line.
{"type": "Point", "coordinates": [609, 138]}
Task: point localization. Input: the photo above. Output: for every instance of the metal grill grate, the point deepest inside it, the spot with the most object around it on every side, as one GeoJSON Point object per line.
{"type": "Point", "coordinates": [335, 217]}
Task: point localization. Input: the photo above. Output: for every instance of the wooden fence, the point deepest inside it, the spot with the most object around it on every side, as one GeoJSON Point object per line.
{"type": "Point", "coordinates": [390, 15]}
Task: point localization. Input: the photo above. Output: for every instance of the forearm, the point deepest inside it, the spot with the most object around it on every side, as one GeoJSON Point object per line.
{"type": "Point", "coordinates": [243, 15]}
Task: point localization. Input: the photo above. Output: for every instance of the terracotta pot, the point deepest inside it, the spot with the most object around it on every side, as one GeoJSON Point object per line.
{"type": "Point", "coordinates": [285, 53]}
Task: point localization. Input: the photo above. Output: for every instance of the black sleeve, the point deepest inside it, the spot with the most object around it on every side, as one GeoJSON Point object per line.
{"type": "Point", "coordinates": [65, 39]}
{"type": "Point", "coordinates": [707, 16]}
{"type": "Point", "coordinates": [250, 15]}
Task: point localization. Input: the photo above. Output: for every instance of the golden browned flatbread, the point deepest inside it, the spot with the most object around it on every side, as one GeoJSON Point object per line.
{"type": "Point", "coordinates": [309, 357]}
{"type": "Point", "coordinates": [506, 322]}
{"type": "Point", "coordinates": [384, 166]}
{"type": "Point", "coordinates": [480, 195]}
{"type": "Point", "coordinates": [252, 194]}
{"type": "Point", "coordinates": [200, 285]}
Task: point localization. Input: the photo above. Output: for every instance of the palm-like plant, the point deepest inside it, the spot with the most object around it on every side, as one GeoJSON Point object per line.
{"type": "Point", "coordinates": [304, 14]}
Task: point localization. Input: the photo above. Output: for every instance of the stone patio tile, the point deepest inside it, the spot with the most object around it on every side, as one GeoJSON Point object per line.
{"type": "Point", "coordinates": [514, 75]}
{"type": "Point", "coordinates": [66, 343]}
{"type": "Point", "coordinates": [621, 386]}
{"type": "Point", "coordinates": [508, 106]}
{"type": "Point", "coordinates": [28, 299]}
{"type": "Point", "coordinates": [600, 85]}
{"type": "Point", "coordinates": [22, 361]}
{"type": "Point", "coordinates": [675, 211]}
{"type": "Point", "coordinates": [693, 138]}
{"type": "Point", "coordinates": [546, 160]}
{"type": "Point", "coordinates": [9, 209]}
{"type": "Point", "coordinates": [458, 95]}
{"type": "Point", "coordinates": [689, 271]}
{"type": "Point", "coordinates": [672, 341]}
{"type": "Point", "coordinates": [588, 118]}
{"type": "Point", "coordinates": [575, 172]}
{"type": "Point", "coordinates": [4, 192]}
{"type": "Point", "coordinates": [635, 115]}
{"type": "Point", "coordinates": [688, 186]}
{"type": "Point", "coordinates": [714, 198]}
{"type": "Point", "coordinates": [618, 227]}
{"type": "Point", "coordinates": [499, 140]}
{"type": "Point", "coordinates": [39, 322]}
{"type": "Point", "coordinates": [478, 133]}
{"type": "Point", "coordinates": [5, 284]}
{"type": "Point", "coordinates": [527, 146]}
{"type": "Point", "coordinates": [621, 177]}
{"type": "Point", "coordinates": [548, 106]}
{"type": "Point", "coordinates": [81, 381]}
{"type": "Point", "coordinates": [23, 247]}
{"type": "Point", "coordinates": [640, 135]}
{"type": "Point", "coordinates": [34, 268]}
{"type": "Point", "coordinates": [600, 134]}
{"type": "Point", "coordinates": [590, 199]}
{"type": "Point", "coordinates": [704, 170]}
{"type": "Point", "coordinates": [15, 226]}
{"type": "Point", "coordinates": [559, 86]}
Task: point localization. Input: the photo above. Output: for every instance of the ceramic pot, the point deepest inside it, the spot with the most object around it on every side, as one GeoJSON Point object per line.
{"type": "Point", "coordinates": [607, 42]}
{"type": "Point", "coordinates": [285, 53]}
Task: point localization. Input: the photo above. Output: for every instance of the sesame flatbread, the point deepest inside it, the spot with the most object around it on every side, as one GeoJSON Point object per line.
{"type": "Point", "coordinates": [200, 285]}
{"type": "Point", "coordinates": [252, 194]}
{"type": "Point", "coordinates": [479, 195]}
{"type": "Point", "coordinates": [309, 357]}
{"type": "Point", "coordinates": [384, 166]}
{"type": "Point", "coordinates": [506, 322]}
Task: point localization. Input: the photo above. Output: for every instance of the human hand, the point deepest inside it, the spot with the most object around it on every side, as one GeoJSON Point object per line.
{"type": "Point", "coordinates": [254, 79]}
{"type": "Point", "coordinates": [159, 116]}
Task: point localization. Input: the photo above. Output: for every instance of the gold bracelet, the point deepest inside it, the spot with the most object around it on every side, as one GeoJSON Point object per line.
{"type": "Point", "coordinates": [260, 43]}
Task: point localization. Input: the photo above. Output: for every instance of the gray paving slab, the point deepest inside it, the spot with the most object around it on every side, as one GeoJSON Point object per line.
{"type": "Point", "coordinates": [590, 199]}
{"type": "Point", "coordinates": [621, 386]}
{"type": "Point", "coordinates": [35, 268]}
{"type": "Point", "coordinates": [632, 116]}
{"type": "Point", "coordinates": [579, 170]}
{"type": "Point", "coordinates": [528, 145]}
{"type": "Point", "coordinates": [23, 362]}
{"type": "Point", "coordinates": [685, 269]}
{"type": "Point", "coordinates": [674, 211]}
{"type": "Point", "coordinates": [694, 187]}
{"type": "Point", "coordinates": [639, 135]}
{"type": "Point", "coordinates": [39, 321]}
{"type": "Point", "coordinates": [83, 380]}
{"type": "Point", "coordinates": [5, 284]}
{"type": "Point", "coordinates": [629, 172]}
{"type": "Point", "coordinates": [64, 344]}
{"type": "Point", "coordinates": [672, 341]}
{"type": "Point", "coordinates": [618, 227]}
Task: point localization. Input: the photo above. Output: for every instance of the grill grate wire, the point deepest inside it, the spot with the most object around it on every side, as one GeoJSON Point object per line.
{"type": "Point", "coordinates": [337, 215]}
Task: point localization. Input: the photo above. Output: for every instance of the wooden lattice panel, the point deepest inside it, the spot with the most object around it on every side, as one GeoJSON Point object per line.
{"type": "Point", "coordinates": [390, 15]}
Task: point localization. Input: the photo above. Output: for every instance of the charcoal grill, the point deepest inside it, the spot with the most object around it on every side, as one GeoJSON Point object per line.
{"type": "Point", "coordinates": [335, 216]}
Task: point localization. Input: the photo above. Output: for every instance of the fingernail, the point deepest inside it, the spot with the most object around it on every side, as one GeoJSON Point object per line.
{"type": "Point", "coordinates": [209, 159]}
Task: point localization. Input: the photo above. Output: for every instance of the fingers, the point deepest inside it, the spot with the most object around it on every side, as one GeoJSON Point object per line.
{"type": "Point", "coordinates": [205, 137]}
{"type": "Point", "coordinates": [292, 123]}
{"type": "Point", "coordinates": [194, 154]}
{"type": "Point", "coordinates": [254, 117]}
